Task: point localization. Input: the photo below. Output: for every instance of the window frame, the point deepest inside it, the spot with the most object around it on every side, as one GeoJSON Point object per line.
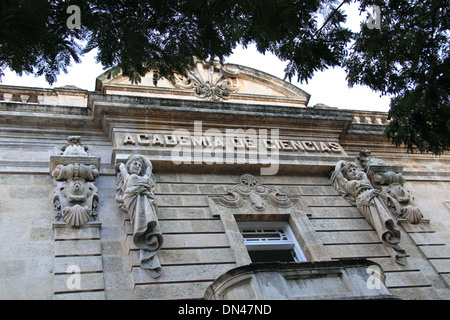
{"type": "Point", "coordinates": [272, 245]}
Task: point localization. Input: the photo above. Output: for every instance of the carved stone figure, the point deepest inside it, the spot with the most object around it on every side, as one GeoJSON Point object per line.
{"type": "Point", "coordinates": [365, 159]}
{"type": "Point", "coordinates": [371, 202]}
{"type": "Point", "coordinates": [75, 198]}
{"type": "Point", "coordinates": [398, 198]}
{"type": "Point", "coordinates": [135, 186]}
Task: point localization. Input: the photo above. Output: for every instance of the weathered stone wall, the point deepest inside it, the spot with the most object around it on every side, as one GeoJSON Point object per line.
{"type": "Point", "coordinates": [26, 240]}
{"type": "Point", "coordinates": [196, 250]}
{"type": "Point", "coordinates": [199, 246]}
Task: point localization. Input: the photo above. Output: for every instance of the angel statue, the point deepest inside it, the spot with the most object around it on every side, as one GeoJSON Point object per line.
{"type": "Point", "coordinates": [356, 188]}
{"type": "Point", "coordinates": [135, 186]}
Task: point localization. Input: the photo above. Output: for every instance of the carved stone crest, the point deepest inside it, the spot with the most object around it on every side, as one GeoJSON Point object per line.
{"type": "Point", "coordinates": [257, 195]}
{"type": "Point", "coordinates": [209, 80]}
{"type": "Point", "coordinates": [75, 197]}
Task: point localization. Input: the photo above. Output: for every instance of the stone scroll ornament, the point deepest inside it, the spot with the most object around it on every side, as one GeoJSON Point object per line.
{"type": "Point", "coordinates": [254, 193]}
{"type": "Point", "coordinates": [209, 81]}
{"type": "Point", "coordinates": [75, 197]}
{"type": "Point", "coordinates": [135, 186]}
{"type": "Point", "coordinates": [356, 187]}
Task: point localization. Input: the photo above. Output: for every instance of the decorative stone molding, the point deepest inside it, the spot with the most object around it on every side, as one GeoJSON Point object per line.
{"type": "Point", "coordinates": [135, 187]}
{"type": "Point", "coordinates": [75, 197]}
{"type": "Point", "coordinates": [210, 80]}
{"type": "Point", "coordinates": [251, 191]}
{"type": "Point", "coordinates": [337, 280]}
{"type": "Point", "coordinates": [250, 200]}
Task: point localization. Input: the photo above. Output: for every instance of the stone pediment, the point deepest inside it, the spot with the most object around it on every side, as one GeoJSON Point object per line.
{"type": "Point", "coordinates": [211, 82]}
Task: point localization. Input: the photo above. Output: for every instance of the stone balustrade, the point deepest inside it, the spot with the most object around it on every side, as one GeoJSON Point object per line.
{"type": "Point", "coordinates": [370, 118]}
{"type": "Point", "coordinates": [67, 96]}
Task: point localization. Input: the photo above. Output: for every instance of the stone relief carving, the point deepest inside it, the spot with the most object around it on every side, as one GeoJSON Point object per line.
{"type": "Point", "coordinates": [371, 202]}
{"type": "Point", "coordinates": [250, 190]}
{"type": "Point", "coordinates": [135, 186]}
{"type": "Point", "coordinates": [379, 193]}
{"type": "Point", "coordinates": [390, 180]}
{"type": "Point", "coordinates": [87, 172]}
{"type": "Point", "coordinates": [210, 80]}
{"type": "Point", "coordinates": [74, 147]}
{"type": "Point", "coordinates": [75, 197]}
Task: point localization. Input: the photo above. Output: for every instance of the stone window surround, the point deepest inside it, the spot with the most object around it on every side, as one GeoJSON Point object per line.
{"type": "Point", "coordinates": [295, 216]}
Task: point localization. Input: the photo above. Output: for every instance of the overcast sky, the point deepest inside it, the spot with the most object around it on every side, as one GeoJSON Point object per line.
{"type": "Point", "coordinates": [328, 87]}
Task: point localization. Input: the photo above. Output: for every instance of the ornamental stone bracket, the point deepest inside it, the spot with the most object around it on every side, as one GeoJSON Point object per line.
{"type": "Point", "coordinates": [75, 197]}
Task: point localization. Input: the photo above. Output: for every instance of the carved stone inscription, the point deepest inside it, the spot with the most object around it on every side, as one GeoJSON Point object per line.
{"type": "Point", "coordinates": [226, 140]}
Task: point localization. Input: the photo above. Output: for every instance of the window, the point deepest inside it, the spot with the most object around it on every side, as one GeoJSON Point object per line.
{"type": "Point", "coordinates": [270, 241]}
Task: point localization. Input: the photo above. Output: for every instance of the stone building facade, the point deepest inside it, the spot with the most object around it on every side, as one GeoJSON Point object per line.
{"type": "Point", "coordinates": [221, 184]}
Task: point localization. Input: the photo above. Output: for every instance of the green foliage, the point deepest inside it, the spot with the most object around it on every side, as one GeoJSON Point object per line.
{"type": "Point", "coordinates": [137, 35]}
{"type": "Point", "coordinates": [409, 58]}
{"type": "Point", "coordinates": [34, 38]}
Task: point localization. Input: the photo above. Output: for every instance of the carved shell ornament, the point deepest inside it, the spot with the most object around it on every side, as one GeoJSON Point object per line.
{"type": "Point", "coordinates": [249, 180]}
{"type": "Point", "coordinates": [412, 214]}
{"type": "Point", "coordinates": [76, 201]}
{"type": "Point", "coordinates": [77, 215]}
{"type": "Point", "coordinates": [210, 80]}
{"type": "Point", "coordinates": [249, 183]}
